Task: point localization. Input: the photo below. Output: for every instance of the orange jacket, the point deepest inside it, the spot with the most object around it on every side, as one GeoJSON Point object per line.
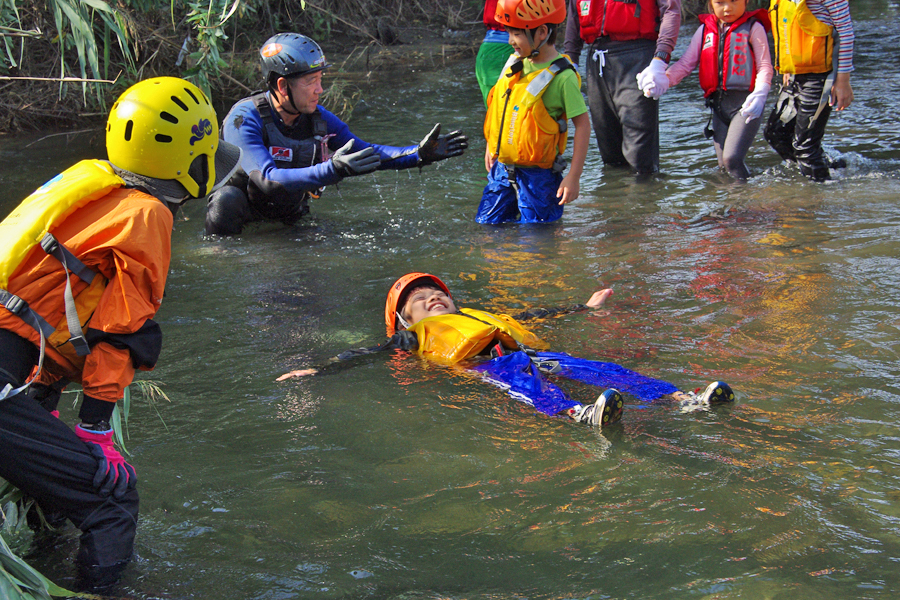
{"type": "Point", "coordinates": [126, 237]}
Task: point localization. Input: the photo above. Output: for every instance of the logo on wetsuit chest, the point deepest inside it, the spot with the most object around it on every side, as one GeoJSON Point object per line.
{"type": "Point", "coordinates": [279, 153]}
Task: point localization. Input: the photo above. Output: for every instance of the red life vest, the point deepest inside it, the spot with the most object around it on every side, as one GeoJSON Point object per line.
{"type": "Point", "coordinates": [728, 63]}
{"type": "Point", "coordinates": [490, 7]}
{"type": "Point", "coordinates": [620, 20]}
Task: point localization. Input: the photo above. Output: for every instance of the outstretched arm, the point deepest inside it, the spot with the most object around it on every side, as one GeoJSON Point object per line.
{"type": "Point", "coordinates": [595, 301]}
{"type": "Point", "coordinates": [403, 340]}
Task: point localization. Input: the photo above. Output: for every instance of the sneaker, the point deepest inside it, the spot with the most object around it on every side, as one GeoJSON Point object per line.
{"type": "Point", "coordinates": [718, 392]}
{"type": "Point", "coordinates": [605, 411]}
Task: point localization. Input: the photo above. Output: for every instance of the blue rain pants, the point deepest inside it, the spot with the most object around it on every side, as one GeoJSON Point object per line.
{"type": "Point", "coordinates": [535, 200]}
{"type": "Point", "coordinates": [518, 373]}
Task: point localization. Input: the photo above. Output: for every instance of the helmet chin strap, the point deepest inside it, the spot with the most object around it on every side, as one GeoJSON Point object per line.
{"type": "Point", "coordinates": [529, 33]}
{"type": "Point", "coordinates": [290, 97]}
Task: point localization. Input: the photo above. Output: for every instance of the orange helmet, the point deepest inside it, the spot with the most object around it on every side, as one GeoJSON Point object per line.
{"type": "Point", "coordinates": [529, 14]}
{"type": "Point", "coordinates": [397, 294]}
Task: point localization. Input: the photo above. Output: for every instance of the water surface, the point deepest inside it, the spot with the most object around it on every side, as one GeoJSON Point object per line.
{"type": "Point", "coordinates": [394, 478]}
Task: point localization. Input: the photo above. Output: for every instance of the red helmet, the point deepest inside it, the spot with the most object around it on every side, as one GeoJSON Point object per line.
{"type": "Point", "coordinates": [397, 294]}
{"type": "Point", "coordinates": [529, 14]}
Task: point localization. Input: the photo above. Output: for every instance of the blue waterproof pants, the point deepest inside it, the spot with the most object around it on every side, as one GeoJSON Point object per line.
{"type": "Point", "coordinates": [518, 373]}
{"type": "Point", "coordinates": [535, 200]}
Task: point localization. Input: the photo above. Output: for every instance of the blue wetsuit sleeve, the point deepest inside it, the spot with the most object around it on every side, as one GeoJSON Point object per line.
{"type": "Point", "coordinates": [392, 157]}
{"type": "Point", "coordinates": [243, 127]}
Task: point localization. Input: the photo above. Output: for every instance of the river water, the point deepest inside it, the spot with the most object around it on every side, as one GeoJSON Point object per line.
{"type": "Point", "coordinates": [393, 478]}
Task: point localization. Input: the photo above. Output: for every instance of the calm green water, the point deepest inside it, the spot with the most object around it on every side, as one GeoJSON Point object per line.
{"type": "Point", "coordinates": [399, 479]}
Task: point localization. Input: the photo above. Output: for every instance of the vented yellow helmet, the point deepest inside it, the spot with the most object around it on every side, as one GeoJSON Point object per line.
{"type": "Point", "coordinates": [165, 128]}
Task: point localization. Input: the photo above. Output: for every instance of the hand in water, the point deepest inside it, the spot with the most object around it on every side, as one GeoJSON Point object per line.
{"type": "Point", "coordinates": [598, 298]}
{"type": "Point", "coordinates": [298, 373]}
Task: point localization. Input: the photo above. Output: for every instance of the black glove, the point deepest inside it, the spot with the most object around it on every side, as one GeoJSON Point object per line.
{"type": "Point", "coordinates": [405, 340]}
{"type": "Point", "coordinates": [438, 147]}
{"type": "Point", "coordinates": [349, 163]}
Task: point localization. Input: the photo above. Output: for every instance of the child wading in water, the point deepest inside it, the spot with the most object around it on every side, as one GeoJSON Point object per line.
{"type": "Point", "coordinates": [421, 317]}
{"type": "Point", "coordinates": [526, 123]}
{"type": "Point", "coordinates": [735, 73]}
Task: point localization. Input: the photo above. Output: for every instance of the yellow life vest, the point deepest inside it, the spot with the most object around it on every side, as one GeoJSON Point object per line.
{"type": "Point", "coordinates": [518, 128]}
{"type": "Point", "coordinates": [31, 223]}
{"type": "Point", "coordinates": [803, 44]}
{"type": "Point", "coordinates": [455, 337]}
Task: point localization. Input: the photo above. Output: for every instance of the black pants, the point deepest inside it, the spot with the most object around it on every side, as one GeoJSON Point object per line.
{"type": "Point", "coordinates": [626, 123]}
{"type": "Point", "coordinates": [250, 198]}
{"type": "Point", "coordinates": [44, 458]}
{"type": "Point", "coordinates": [792, 129]}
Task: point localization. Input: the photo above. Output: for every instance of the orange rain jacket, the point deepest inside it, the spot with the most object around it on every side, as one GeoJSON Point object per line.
{"type": "Point", "coordinates": [126, 237]}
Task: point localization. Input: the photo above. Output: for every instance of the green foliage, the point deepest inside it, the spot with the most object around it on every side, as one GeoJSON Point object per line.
{"type": "Point", "coordinates": [18, 580]}
{"type": "Point", "coordinates": [85, 26]}
{"type": "Point", "coordinates": [9, 16]}
{"type": "Point", "coordinates": [151, 392]}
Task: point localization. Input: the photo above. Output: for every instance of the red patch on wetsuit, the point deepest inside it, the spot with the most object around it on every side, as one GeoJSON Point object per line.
{"type": "Point", "coordinates": [279, 153]}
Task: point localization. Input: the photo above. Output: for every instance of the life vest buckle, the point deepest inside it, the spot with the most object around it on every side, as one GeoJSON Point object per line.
{"type": "Point", "coordinates": [80, 344]}
{"type": "Point", "coordinates": [15, 305]}
{"type": "Point", "coordinates": [49, 244]}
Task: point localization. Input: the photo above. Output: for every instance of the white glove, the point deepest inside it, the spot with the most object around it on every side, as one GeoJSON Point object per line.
{"type": "Point", "coordinates": [755, 102]}
{"type": "Point", "coordinates": [652, 80]}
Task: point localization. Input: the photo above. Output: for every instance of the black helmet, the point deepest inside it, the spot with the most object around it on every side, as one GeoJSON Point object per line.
{"type": "Point", "coordinates": [290, 55]}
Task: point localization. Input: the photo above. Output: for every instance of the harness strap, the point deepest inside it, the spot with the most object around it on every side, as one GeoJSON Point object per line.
{"type": "Point", "coordinates": [20, 308]}
{"type": "Point", "coordinates": [829, 81]}
{"type": "Point", "coordinates": [72, 265]}
{"type": "Point", "coordinates": [52, 247]}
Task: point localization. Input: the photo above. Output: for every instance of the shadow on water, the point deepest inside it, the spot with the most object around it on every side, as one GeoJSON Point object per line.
{"type": "Point", "coordinates": [393, 478]}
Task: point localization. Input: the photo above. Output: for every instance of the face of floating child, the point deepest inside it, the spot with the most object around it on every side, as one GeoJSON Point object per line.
{"type": "Point", "coordinates": [426, 302]}
{"type": "Point", "coordinates": [728, 11]}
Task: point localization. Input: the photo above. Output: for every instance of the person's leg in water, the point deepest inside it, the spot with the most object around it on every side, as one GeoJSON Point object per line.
{"type": "Point", "coordinates": [810, 129]}
{"type": "Point", "coordinates": [645, 389]}
{"type": "Point", "coordinates": [227, 211]}
{"type": "Point", "coordinates": [499, 200]}
{"type": "Point", "coordinates": [625, 122]}
{"type": "Point", "coordinates": [44, 458]}
{"type": "Point", "coordinates": [537, 199]}
{"type": "Point", "coordinates": [521, 377]}
{"type": "Point", "coordinates": [733, 136]}
{"type": "Point", "coordinates": [779, 131]}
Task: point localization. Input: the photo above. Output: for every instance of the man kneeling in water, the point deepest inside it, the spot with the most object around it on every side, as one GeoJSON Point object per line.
{"type": "Point", "coordinates": [421, 317]}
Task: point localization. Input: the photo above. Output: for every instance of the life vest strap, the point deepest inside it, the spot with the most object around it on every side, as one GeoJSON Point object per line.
{"type": "Point", "coordinates": [70, 264]}
{"type": "Point", "coordinates": [52, 247]}
{"type": "Point", "coordinates": [20, 308]}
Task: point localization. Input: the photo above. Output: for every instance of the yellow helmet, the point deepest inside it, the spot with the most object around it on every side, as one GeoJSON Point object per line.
{"type": "Point", "coordinates": [165, 128]}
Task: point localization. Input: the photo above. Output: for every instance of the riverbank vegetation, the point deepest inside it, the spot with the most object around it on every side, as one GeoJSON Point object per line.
{"type": "Point", "coordinates": [62, 62]}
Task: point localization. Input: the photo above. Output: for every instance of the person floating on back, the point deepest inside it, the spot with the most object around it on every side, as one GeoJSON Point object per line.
{"type": "Point", "coordinates": [732, 50]}
{"type": "Point", "coordinates": [526, 123]}
{"type": "Point", "coordinates": [814, 53]}
{"type": "Point", "coordinates": [293, 147]}
{"type": "Point", "coordinates": [421, 317]}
